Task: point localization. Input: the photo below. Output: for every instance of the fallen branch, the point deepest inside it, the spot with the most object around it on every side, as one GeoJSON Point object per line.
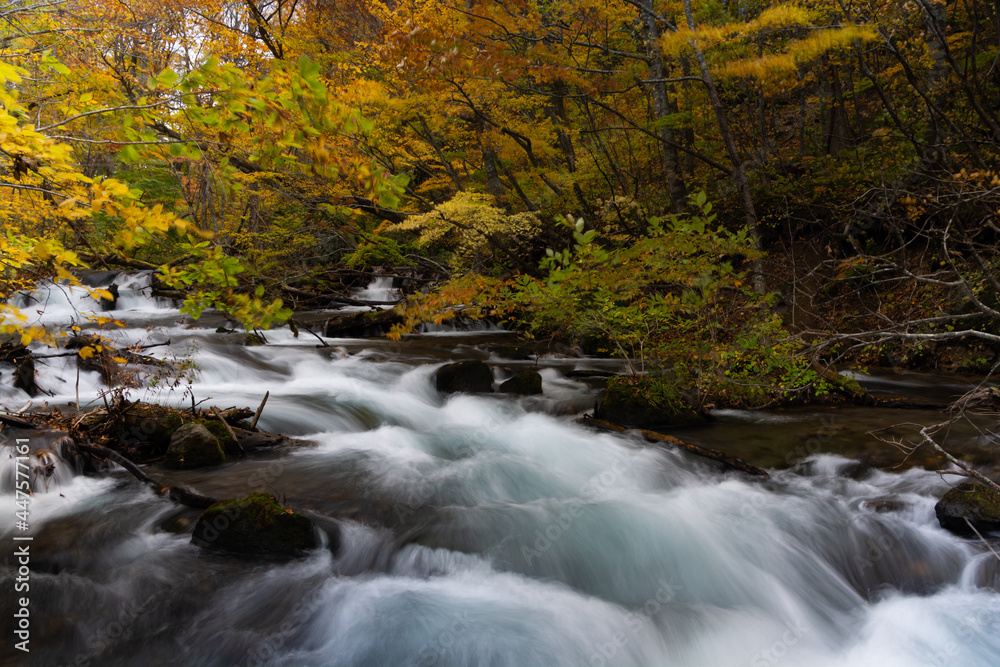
{"type": "Point", "coordinates": [177, 494]}
{"type": "Point", "coordinates": [17, 422]}
{"type": "Point", "coordinates": [229, 429]}
{"type": "Point", "coordinates": [293, 323]}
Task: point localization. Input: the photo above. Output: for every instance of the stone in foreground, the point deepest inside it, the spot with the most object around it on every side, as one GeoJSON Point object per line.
{"type": "Point", "coordinates": [255, 525]}
{"type": "Point", "coordinates": [472, 377]}
{"type": "Point", "coordinates": [977, 503]}
{"type": "Point", "coordinates": [193, 446]}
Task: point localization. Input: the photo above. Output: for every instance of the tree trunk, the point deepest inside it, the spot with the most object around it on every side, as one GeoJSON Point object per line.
{"type": "Point", "coordinates": [663, 107]}
{"type": "Point", "coordinates": [738, 174]}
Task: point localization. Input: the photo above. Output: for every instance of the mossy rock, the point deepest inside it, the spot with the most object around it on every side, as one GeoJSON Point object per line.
{"type": "Point", "coordinates": [193, 446]}
{"type": "Point", "coordinates": [977, 503]}
{"type": "Point", "coordinates": [473, 377]}
{"type": "Point", "coordinates": [154, 424]}
{"type": "Point", "coordinates": [219, 430]}
{"type": "Point", "coordinates": [525, 383]}
{"type": "Point", "coordinates": [646, 403]}
{"type": "Point", "coordinates": [255, 525]}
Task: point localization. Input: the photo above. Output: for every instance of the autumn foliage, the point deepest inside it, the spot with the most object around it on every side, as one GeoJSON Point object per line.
{"type": "Point", "coordinates": [255, 147]}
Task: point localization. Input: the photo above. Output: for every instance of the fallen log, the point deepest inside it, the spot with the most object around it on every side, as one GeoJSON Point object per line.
{"type": "Point", "coordinates": [16, 422]}
{"type": "Point", "coordinates": [728, 461]}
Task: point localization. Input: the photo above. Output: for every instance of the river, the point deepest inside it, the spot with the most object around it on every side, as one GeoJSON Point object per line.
{"type": "Point", "coordinates": [490, 529]}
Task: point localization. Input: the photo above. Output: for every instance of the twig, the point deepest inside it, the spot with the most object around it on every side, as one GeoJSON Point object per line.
{"type": "Point", "coordinates": [318, 337]}
{"type": "Point", "coordinates": [260, 409]}
{"type": "Point", "coordinates": [980, 536]}
{"type": "Point", "coordinates": [229, 429]}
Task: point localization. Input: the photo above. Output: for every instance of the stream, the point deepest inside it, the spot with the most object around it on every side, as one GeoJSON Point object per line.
{"type": "Point", "coordinates": [490, 529]}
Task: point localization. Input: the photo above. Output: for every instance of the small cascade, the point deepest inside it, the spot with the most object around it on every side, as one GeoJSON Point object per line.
{"type": "Point", "coordinates": [39, 464]}
{"type": "Point", "coordinates": [379, 290]}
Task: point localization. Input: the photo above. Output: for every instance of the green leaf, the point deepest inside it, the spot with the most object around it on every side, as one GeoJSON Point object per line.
{"type": "Point", "coordinates": [128, 154]}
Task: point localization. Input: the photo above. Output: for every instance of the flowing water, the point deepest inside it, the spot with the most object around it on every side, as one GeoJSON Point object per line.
{"type": "Point", "coordinates": [486, 530]}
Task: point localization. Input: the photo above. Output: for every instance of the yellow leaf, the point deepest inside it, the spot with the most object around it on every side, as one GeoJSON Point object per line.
{"type": "Point", "coordinates": [86, 352]}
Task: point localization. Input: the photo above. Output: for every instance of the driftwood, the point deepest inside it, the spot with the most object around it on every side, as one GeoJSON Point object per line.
{"type": "Point", "coordinates": [981, 399]}
{"type": "Point", "coordinates": [175, 493]}
{"type": "Point", "coordinates": [728, 461]}
{"type": "Point", "coordinates": [16, 422]}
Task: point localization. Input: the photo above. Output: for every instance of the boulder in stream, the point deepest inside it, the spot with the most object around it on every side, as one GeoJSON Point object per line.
{"type": "Point", "coordinates": [968, 503]}
{"type": "Point", "coordinates": [525, 383]}
{"type": "Point", "coordinates": [359, 325]}
{"type": "Point", "coordinates": [193, 446]}
{"type": "Point", "coordinates": [255, 525]}
{"type": "Point", "coordinates": [473, 377]}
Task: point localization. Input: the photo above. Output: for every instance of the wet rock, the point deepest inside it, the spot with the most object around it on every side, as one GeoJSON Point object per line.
{"type": "Point", "coordinates": [24, 366]}
{"type": "Point", "coordinates": [884, 505]}
{"type": "Point", "coordinates": [967, 503]}
{"type": "Point", "coordinates": [525, 383]}
{"type": "Point", "coordinates": [193, 446]}
{"type": "Point", "coordinates": [646, 403]}
{"type": "Point", "coordinates": [473, 377]}
{"type": "Point", "coordinates": [255, 525]}
{"type": "Point", "coordinates": [358, 325]}
{"type": "Point", "coordinates": [112, 303]}
{"type": "Point", "coordinates": [24, 375]}
{"type": "Point", "coordinates": [153, 424]}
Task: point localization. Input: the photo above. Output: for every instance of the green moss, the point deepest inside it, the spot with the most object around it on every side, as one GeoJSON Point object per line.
{"type": "Point", "coordinates": [978, 497]}
{"type": "Point", "coordinates": [154, 424]}
{"type": "Point", "coordinates": [219, 430]}
{"type": "Point", "coordinates": [193, 446]}
{"type": "Point", "coordinates": [968, 503]}
{"type": "Point", "coordinates": [254, 525]}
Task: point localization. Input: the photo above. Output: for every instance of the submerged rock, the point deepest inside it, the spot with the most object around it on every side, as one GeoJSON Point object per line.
{"type": "Point", "coordinates": [193, 446]}
{"type": "Point", "coordinates": [473, 377]}
{"type": "Point", "coordinates": [525, 383]}
{"type": "Point", "coordinates": [977, 503]}
{"type": "Point", "coordinates": [255, 525]}
{"type": "Point", "coordinates": [645, 403]}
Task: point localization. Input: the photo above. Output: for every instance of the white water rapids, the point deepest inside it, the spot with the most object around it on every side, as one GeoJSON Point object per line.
{"type": "Point", "coordinates": [478, 530]}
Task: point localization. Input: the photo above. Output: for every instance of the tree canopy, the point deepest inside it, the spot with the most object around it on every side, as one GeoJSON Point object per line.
{"type": "Point", "coordinates": [255, 150]}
